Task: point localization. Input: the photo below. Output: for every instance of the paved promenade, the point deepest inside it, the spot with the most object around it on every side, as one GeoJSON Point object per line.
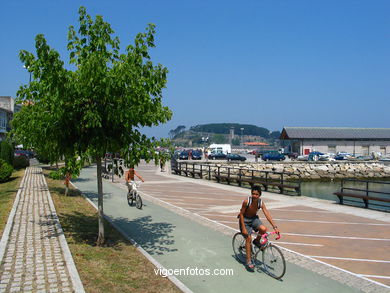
{"type": "Point", "coordinates": [34, 254]}
{"type": "Point", "coordinates": [188, 223]}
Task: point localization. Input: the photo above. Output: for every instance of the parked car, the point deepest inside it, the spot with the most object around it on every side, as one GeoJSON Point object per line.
{"type": "Point", "coordinates": [343, 156]}
{"type": "Point", "coordinates": [197, 155]}
{"type": "Point", "coordinates": [217, 156]}
{"type": "Point", "coordinates": [364, 158]}
{"type": "Point", "coordinates": [184, 155]}
{"type": "Point", "coordinates": [314, 156]}
{"type": "Point", "coordinates": [327, 157]}
{"type": "Point", "coordinates": [27, 154]}
{"type": "Point", "coordinates": [291, 155]}
{"type": "Point", "coordinates": [235, 157]}
{"type": "Point", "coordinates": [303, 158]}
{"type": "Point", "coordinates": [273, 156]}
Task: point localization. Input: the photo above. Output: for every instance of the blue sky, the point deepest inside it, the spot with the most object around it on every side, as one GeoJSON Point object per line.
{"type": "Point", "coordinates": [268, 63]}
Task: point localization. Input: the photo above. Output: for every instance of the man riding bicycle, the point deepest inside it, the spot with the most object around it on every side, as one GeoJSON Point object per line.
{"type": "Point", "coordinates": [129, 178]}
{"type": "Point", "coordinates": [250, 220]}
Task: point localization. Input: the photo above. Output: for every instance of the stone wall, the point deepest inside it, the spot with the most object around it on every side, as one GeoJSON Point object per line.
{"type": "Point", "coordinates": [320, 170]}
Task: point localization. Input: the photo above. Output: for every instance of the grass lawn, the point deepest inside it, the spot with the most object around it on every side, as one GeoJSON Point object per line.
{"type": "Point", "coordinates": [116, 267]}
{"type": "Point", "coordinates": [8, 192]}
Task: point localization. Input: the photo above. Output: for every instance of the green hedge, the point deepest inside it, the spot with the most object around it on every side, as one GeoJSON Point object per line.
{"type": "Point", "coordinates": [5, 170]}
{"type": "Point", "coordinates": [6, 152]}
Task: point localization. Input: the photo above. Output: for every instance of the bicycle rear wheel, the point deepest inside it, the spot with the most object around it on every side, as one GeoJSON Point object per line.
{"type": "Point", "coordinates": [138, 201]}
{"type": "Point", "coordinates": [239, 247]}
{"type": "Point", "coordinates": [273, 261]}
{"type": "Point", "coordinates": [130, 198]}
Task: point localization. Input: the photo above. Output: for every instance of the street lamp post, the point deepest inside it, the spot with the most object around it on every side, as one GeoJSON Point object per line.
{"type": "Point", "coordinates": [242, 131]}
{"type": "Point", "coordinates": [204, 140]}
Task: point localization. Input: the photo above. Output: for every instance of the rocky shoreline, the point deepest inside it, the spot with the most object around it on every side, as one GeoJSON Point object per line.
{"type": "Point", "coordinates": [320, 170]}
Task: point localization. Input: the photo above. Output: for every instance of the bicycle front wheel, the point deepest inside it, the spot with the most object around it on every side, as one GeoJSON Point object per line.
{"type": "Point", "coordinates": [239, 247]}
{"type": "Point", "coordinates": [138, 201]}
{"type": "Point", "coordinates": [130, 198]}
{"type": "Point", "coordinates": [273, 261]}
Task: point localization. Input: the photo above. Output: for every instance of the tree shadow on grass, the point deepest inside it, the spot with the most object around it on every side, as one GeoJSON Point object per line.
{"type": "Point", "coordinates": [154, 237]}
{"type": "Point", "coordinates": [61, 191]}
{"type": "Point", "coordinates": [10, 179]}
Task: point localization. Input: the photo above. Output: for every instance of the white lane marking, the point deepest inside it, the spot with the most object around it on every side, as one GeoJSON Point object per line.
{"type": "Point", "coordinates": [279, 204]}
{"type": "Point", "coordinates": [304, 211]}
{"type": "Point", "coordinates": [327, 222]}
{"type": "Point", "coordinates": [330, 222]}
{"type": "Point", "coordinates": [220, 215]}
{"type": "Point", "coordinates": [298, 243]}
{"type": "Point", "coordinates": [206, 198]}
{"type": "Point", "coordinates": [335, 236]}
{"type": "Point", "coordinates": [196, 204]}
{"type": "Point", "coordinates": [375, 276]}
{"type": "Point", "coordinates": [351, 259]}
{"type": "Point", "coordinates": [303, 221]}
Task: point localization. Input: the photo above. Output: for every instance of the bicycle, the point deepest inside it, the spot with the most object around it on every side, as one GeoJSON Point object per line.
{"type": "Point", "coordinates": [133, 195]}
{"type": "Point", "coordinates": [272, 257]}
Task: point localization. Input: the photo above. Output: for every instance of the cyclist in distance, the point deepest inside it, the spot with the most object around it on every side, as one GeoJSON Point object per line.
{"type": "Point", "coordinates": [250, 220]}
{"type": "Point", "coordinates": [129, 177]}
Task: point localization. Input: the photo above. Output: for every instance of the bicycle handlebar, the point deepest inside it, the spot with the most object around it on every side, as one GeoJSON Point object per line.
{"type": "Point", "coordinates": [264, 237]}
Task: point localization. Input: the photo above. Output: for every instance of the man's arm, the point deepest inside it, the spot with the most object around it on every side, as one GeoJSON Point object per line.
{"type": "Point", "coordinates": [242, 224]}
{"type": "Point", "coordinates": [269, 218]}
{"type": "Point", "coordinates": [139, 176]}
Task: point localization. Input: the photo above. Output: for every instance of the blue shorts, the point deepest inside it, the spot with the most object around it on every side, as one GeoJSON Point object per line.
{"type": "Point", "coordinates": [252, 223]}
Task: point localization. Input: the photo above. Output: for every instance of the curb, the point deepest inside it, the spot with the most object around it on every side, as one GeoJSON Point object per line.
{"type": "Point", "coordinates": [73, 273]}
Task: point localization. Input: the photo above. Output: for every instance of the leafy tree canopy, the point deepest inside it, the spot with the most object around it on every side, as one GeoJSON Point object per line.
{"type": "Point", "coordinates": [98, 107]}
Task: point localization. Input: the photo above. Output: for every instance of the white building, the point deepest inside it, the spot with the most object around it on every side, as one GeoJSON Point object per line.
{"type": "Point", "coordinates": [7, 108]}
{"type": "Point", "coordinates": [357, 141]}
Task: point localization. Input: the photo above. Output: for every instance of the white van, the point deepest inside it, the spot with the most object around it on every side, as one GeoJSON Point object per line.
{"type": "Point", "coordinates": [220, 148]}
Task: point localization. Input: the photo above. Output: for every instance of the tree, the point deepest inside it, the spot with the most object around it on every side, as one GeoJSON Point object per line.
{"type": "Point", "coordinates": [236, 141]}
{"type": "Point", "coordinates": [219, 138]}
{"type": "Point", "coordinates": [98, 107]}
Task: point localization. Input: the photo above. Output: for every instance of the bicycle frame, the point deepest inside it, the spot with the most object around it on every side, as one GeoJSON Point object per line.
{"type": "Point", "coordinates": [135, 185]}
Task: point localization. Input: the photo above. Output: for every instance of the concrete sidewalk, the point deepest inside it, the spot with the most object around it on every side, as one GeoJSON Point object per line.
{"type": "Point", "coordinates": [179, 242]}
{"type": "Point", "coordinates": [34, 255]}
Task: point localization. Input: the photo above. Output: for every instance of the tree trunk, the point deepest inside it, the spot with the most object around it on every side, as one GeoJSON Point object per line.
{"type": "Point", "coordinates": [101, 239]}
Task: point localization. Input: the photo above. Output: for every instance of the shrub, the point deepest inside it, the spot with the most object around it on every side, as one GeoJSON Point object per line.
{"type": "Point", "coordinates": [21, 162]}
{"type": "Point", "coordinates": [56, 175]}
{"type": "Point", "coordinates": [6, 152]}
{"type": "Point", "coordinates": [5, 171]}
{"type": "Point", "coordinates": [60, 174]}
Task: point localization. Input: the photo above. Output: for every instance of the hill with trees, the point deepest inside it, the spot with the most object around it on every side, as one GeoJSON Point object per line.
{"type": "Point", "coordinates": [219, 133]}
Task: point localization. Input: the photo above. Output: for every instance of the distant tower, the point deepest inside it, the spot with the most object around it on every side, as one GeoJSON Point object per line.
{"type": "Point", "coordinates": [231, 136]}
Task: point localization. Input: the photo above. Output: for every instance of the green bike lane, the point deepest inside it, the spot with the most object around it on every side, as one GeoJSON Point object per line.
{"type": "Point", "coordinates": [176, 242]}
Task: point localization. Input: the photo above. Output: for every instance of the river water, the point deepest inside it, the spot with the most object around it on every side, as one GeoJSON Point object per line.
{"type": "Point", "coordinates": [325, 190]}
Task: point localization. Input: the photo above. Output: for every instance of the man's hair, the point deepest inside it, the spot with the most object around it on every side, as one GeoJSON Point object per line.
{"type": "Point", "coordinates": [257, 188]}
